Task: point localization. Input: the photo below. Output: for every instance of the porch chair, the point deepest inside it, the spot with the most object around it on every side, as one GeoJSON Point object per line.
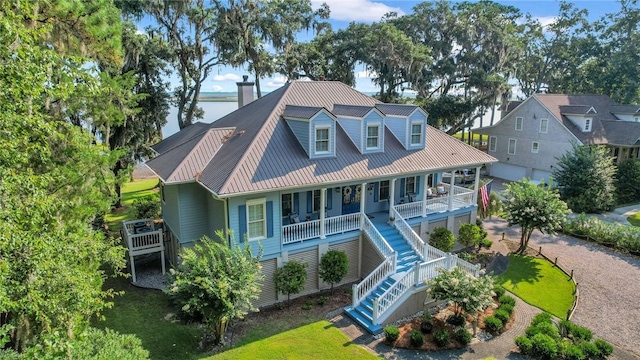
{"type": "Point", "coordinates": [294, 218]}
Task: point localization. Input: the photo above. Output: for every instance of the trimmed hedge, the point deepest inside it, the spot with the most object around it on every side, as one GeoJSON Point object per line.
{"type": "Point", "coordinates": [621, 237]}
{"type": "Point", "coordinates": [493, 324]}
{"type": "Point", "coordinates": [391, 334]}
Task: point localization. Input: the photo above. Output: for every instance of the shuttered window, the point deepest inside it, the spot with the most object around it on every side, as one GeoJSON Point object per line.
{"type": "Point", "coordinates": [256, 219]}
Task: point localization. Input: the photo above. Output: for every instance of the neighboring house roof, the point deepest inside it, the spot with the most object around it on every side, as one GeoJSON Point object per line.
{"type": "Point", "coordinates": [261, 153]}
{"type": "Point", "coordinates": [621, 132]}
{"type": "Point", "coordinates": [577, 109]}
{"type": "Point", "coordinates": [626, 109]}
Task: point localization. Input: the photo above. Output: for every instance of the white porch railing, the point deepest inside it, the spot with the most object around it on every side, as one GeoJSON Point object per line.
{"type": "Point", "coordinates": [301, 231]}
{"type": "Point", "coordinates": [408, 234]}
{"type": "Point", "coordinates": [385, 301]}
{"type": "Point", "coordinates": [343, 223]}
{"type": "Point", "coordinates": [410, 210]}
{"type": "Point", "coordinates": [142, 238]}
{"type": "Point", "coordinates": [376, 238]}
{"type": "Point", "coordinates": [374, 279]}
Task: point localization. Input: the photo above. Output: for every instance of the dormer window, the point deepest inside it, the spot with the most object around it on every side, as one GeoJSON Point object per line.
{"type": "Point", "coordinates": [587, 125]}
{"type": "Point", "coordinates": [322, 140]}
{"type": "Point", "coordinates": [416, 133]}
{"type": "Point", "coordinates": [373, 137]}
{"type": "Point", "coordinates": [518, 124]}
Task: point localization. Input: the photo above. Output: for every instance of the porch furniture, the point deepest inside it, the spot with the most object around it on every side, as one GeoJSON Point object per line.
{"type": "Point", "coordinates": [294, 218]}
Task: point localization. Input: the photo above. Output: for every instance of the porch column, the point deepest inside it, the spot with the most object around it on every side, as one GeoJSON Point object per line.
{"type": "Point", "coordinates": [452, 181]}
{"type": "Point", "coordinates": [424, 195]}
{"type": "Point", "coordinates": [392, 194]}
{"type": "Point", "coordinates": [363, 196]}
{"type": "Point", "coordinates": [476, 185]}
{"type": "Point", "coordinates": [323, 199]}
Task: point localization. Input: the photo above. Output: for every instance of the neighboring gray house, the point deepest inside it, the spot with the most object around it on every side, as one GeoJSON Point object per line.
{"type": "Point", "coordinates": [530, 138]}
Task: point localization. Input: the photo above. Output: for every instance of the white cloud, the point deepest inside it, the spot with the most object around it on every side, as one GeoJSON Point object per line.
{"type": "Point", "coordinates": [357, 10]}
{"type": "Point", "coordinates": [277, 82]}
{"type": "Point", "coordinates": [217, 88]}
{"type": "Point", "coordinates": [546, 20]}
{"type": "Point", "coordinates": [227, 77]}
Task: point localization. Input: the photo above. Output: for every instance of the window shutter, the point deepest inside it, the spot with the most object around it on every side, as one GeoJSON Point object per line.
{"type": "Point", "coordinates": [269, 219]}
{"type": "Point", "coordinates": [309, 202]}
{"type": "Point", "coordinates": [329, 199]}
{"type": "Point", "coordinates": [402, 187]}
{"type": "Point", "coordinates": [242, 220]}
{"type": "Point", "coordinates": [417, 189]}
{"type": "Point", "coordinates": [296, 203]}
{"type": "Point", "coordinates": [376, 192]}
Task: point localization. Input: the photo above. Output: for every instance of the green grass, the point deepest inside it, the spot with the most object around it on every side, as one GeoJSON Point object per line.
{"type": "Point", "coordinates": [146, 314]}
{"type": "Point", "coordinates": [539, 283]}
{"type": "Point", "coordinates": [130, 191]}
{"type": "Point", "coordinates": [319, 340]}
{"type": "Point", "coordinates": [634, 219]}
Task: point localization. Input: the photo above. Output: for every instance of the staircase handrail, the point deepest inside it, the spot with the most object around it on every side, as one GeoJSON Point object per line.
{"type": "Point", "coordinates": [376, 238]}
{"type": "Point", "coordinates": [383, 302]}
{"type": "Point", "coordinates": [408, 234]}
{"type": "Point", "coordinates": [365, 287]}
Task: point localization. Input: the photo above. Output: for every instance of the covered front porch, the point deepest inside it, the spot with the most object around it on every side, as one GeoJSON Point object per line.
{"type": "Point", "coordinates": [372, 199]}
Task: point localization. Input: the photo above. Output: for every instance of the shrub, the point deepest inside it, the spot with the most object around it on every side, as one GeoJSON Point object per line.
{"type": "Point", "coordinates": [506, 307]}
{"type": "Point", "coordinates": [628, 181]}
{"type": "Point", "coordinates": [334, 265]}
{"type": "Point", "coordinates": [544, 317]}
{"type": "Point", "coordinates": [290, 278]}
{"type": "Point", "coordinates": [570, 351]}
{"type": "Point", "coordinates": [391, 334]}
{"type": "Point", "coordinates": [590, 350]}
{"type": "Point", "coordinates": [605, 348]}
{"type": "Point", "coordinates": [442, 239]}
{"type": "Point", "coordinates": [469, 257]}
{"type": "Point", "coordinates": [626, 238]}
{"type": "Point", "coordinates": [463, 336]}
{"type": "Point", "coordinates": [441, 337]}
{"type": "Point", "coordinates": [493, 324]}
{"type": "Point", "coordinates": [416, 338]}
{"type": "Point", "coordinates": [308, 305]}
{"type": "Point", "coordinates": [499, 290]}
{"type": "Point", "coordinates": [548, 329]}
{"type": "Point", "coordinates": [524, 344]}
{"type": "Point", "coordinates": [322, 300]}
{"type": "Point", "coordinates": [456, 319]}
{"type": "Point", "coordinates": [543, 346]}
{"type": "Point", "coordinates": [147, 207]}
{"type": "Point", "coordinates": [426, 326]}
{"type": "Point", "coordinates": [502, 315]}
{"type": "Point", "coordinates": [469, 235]}
{"type": "Point", "coordinates": [508, 300]}
{"type": "Point", "coordinates": [487, 243]}
{"type": "Point", "coordinates": [574, 332]}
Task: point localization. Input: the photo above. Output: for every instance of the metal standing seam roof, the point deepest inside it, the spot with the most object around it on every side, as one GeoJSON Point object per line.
{"type": "Point", "coordinates": [396, 109]}
{"type": "Point", "coordinates": [262, 154]}
{"type": "Point", "coordinates": [351, 110]}
{"type": "Point", "coordinates": [301, 112]}
{"type": "Point", "coordinates": [180, 137]}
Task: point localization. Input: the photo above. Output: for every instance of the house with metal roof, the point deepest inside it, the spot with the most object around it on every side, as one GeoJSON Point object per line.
{"type": "Point", "coordinates": [318, 166]}
{"type": "Point", "coordinates": [530, 138]}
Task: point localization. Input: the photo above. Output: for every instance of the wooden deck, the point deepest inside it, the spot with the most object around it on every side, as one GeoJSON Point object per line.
{"type": "Point", "coordinates": [142, 237]}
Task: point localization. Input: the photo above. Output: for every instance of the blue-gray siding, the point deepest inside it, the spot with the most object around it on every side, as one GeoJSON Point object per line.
{"type": "Point", "coordinates": [216, 216]}
{"type": "Point", "coordinates": [301, 130]}
{"type": "Point", "coordinates": [170, 210]}
{"type": "Point", "coordinates": [270, 245]}
{"type": "Point", "coordinates": [353, 128]}
{"type": "Point", "coordinates": [398, 127]}
{"type": "Point", "coordinates": [193, 212]}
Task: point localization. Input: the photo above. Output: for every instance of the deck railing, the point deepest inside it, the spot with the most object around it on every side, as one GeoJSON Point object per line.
{"type": "Point", "coordinates": [376, 238]}
{"type": "Point", "coordinates": [374, 279]}
{"type": "Point", "coordinates": [408, 234]}
{"type": "Point", "coordinates": [342, 223]}
{"type": "Point", "coordinates": [385, 301]}
{"type": "Point", "coordinates": [410, 210]}
{"type": "Point", "coordinates": [301, 231]}
{"type": "Point", "coordinates": [142, 237]}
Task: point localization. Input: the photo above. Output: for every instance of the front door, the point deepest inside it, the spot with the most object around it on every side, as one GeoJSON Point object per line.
{"type": "Point", "coordinates": [351, 199]}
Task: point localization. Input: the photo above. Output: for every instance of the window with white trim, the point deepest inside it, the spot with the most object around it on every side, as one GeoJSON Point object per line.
{"type": "Point", "coordinates": [410, 185]}
{"type": "Point", "coordinates": [256, 219]}
{"type": "Point", "coordinates": [383, 193]}
{"type": "Point", "coordinates": [373, 136]}
{"type": "Point", "coordinates": [512, 147]}
{"type": "Point", "coordinates": [493, 141]}
{"type": "Point", "coordinates": [534, 147]}
{"type": "Point", "coordinates": [322, 140]}
{"type": "Point", "coordinates": [287, 204]}
{"type": "Point", "coordinates": [587, 124]}
{"type": "Point", "coordinates": [518, 124]}
{"type": "Point", "coordinates": [416, 133]}
{"type": "Point", "coordinates": [544, 124]}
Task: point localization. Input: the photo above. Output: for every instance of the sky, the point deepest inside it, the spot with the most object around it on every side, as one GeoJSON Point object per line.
{"type": "Point", "coordinates": [224, 78]}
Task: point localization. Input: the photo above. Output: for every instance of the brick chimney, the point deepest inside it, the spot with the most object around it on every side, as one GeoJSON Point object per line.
{"type": "Point", "coordinates": [245, 91]}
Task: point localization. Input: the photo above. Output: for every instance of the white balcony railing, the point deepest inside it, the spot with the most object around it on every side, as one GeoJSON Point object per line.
{"type": "Point", "coordinates": [410, 210]}
{"type": "Point", "coordinates": [343, 223]}
{"type": "Point", "coordinates": [301, 231]}
{"type": "Point", "coordinates": [374, 279]}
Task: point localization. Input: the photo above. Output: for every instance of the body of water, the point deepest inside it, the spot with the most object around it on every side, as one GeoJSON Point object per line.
{"type": "Point", "coordinates": [213, 110]}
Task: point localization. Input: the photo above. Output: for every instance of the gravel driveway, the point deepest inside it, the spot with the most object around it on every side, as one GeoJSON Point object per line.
{"type": "Point", "coordinates": [608, 284]}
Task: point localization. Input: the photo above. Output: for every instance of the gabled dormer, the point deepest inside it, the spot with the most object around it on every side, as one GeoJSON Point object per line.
{"type": "Point", "coordinates": [315, 129]}
{"type": "Point", "coordinates": [364, 125]}
{"type": "Point", "coordinates": [580, 115]}
{"type": "Point", "coordinates": [408, 123]}
{"type": "Point", "coordinates": [626, 112]}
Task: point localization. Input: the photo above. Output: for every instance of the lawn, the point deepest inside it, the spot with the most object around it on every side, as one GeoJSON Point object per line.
{"type": "Point", "coordinates": [539, 283]}
{"type": "Point", "coordinates": [634, 219]}
{"type": "Point", "coordinates": [148, 315]}
{"type": "Point", "coordinates": [319, 340]}
{"type": "Point", "coordinates": [130, 191]}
